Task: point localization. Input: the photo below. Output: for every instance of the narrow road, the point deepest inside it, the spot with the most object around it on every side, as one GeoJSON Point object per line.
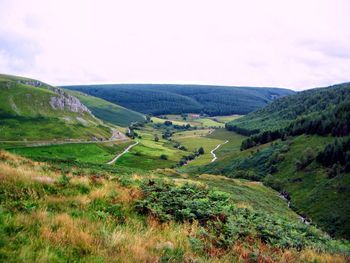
{"type": "Point", "coordinates": [115, 137]}
{"type": "Point", "coordinates": [212, 151]}
{"type": "Point", "coordinates": [121, 154]}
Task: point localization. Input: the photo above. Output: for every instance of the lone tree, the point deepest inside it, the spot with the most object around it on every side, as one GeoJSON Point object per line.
{"type": "Point", "coordinates": [168, 123]}
{"type": "Point", "coordinates": [164, 157]}
{"type": "Point", "coordinates": [201, 150]}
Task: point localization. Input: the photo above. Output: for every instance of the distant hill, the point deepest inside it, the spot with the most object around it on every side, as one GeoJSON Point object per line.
{"type": "Point", "coordinates": [33, 110]}
{"type": "Point", "coordinates": [159, 99]}
{"type": "Point", "coordinates": [108, 111]}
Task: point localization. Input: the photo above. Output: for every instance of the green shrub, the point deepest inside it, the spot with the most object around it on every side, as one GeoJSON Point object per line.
{"type": "Point", "coordinates": [223, 223]}
{"type": "Point", "coordinates": [163, 157]}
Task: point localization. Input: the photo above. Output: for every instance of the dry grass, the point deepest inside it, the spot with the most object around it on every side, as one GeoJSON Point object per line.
{"type": "Point", "coordinates": [15, 168]}
{"type": "Point", "coordinates": [23, 173]}
{"type": "Point", "coordinates": [137, 243]}
{"type": "Point", "coordinates": [62, 230]}
{"type": "Point", "coordinates": [14, 159]}
{"type": "Point", "coordinates": [312, 256]}
{"type": "Point", "coordinates": [137, 239]}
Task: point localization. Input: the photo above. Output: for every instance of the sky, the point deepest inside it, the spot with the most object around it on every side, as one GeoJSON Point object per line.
{"type": "Point", "coordinates": [297, 44]}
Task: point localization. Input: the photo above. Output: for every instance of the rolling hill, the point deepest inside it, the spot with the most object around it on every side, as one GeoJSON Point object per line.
{"type": "Point", "coordinates": [108, 111]}
{"type": "Point", "coordinates": [159, 99]}
{"type": "Point", "coordinates": [33, 110]}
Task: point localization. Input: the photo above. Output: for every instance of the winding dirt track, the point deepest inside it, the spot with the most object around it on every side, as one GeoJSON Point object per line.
{"type": "Point", "coordinates": [121, 154]}
{"type": "Point", "coordinates": [212, 151]}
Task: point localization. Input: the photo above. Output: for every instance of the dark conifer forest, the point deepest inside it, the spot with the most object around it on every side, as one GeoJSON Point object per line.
{"type": "Point", "coordinates": [177, 99]}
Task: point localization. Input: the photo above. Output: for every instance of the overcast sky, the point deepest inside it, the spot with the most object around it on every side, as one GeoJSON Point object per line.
{"type": "Point", "coordinates": [297, 44]}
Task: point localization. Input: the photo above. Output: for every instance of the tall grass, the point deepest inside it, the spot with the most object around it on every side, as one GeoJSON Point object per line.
{"type": "Point", "coordinates": [52, 215]}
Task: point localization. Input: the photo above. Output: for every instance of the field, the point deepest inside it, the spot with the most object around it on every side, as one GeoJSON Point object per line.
{"type": "Point", "coordinates": [209, 141]}
{"type": "Point", "coordinates": [146, 155]}
{"type": "Point", "coordinates": [203, 122]}
{"type": "Point", "coordinates": [82, 152]}
{"type": "Point", "coordinates": [175, 121]}
{"type": "Point", "coordinates": [233, 144]}
{"type": "Point", "coordinates": [16, 128]}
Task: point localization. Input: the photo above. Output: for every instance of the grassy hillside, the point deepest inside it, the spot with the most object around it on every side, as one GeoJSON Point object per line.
{"type": "Point", "coordinates": [176, 99]}
{"type": "Point", "coordinates": [283, 111]}
{"type": "Point", "coordinates": [108, 111]}
{"type": "Point", "coordinates": [32, 110]}
{"type": "Point", "coordinates": [301, 148]}
{"type": "Point", "coordinates": [60, 213]}
{"type": "Point", "coordinates": [312, 191]}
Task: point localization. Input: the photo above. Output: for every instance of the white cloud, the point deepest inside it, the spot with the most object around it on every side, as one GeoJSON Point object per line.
{"type": "Point", "coordinates": [297, 44]}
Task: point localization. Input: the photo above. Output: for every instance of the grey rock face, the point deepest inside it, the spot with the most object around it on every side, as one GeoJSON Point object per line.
{"type": "Point", "coordinates": [65, 101]}
{"type": "Point", "coordinates": [34, 83]}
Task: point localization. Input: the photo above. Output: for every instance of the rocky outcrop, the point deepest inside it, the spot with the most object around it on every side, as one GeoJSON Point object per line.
{"type": "Point", "coordinates": [65, 101]}
{"type": "Point", "coordinates": [34, 83]}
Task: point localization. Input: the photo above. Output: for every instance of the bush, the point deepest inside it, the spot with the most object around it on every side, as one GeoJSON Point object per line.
{"type": "Point", "coordinates": [201, 150]}
{"type": "Point", "coordinates": [305, 160]}
{"type": "Point", "coordinates": [163, 157]}
{"type": "Point", "coordinates": [222, 223]}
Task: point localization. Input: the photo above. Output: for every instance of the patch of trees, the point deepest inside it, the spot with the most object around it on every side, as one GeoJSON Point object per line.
{"type": "Point", "coordinates": [243, 131]}
{"type": "Point", "coordinates": [169, 124]}
{"type": "Point", "coordinates": [335, 122]}
{"type": "Point", "coordinates": [305, 159]}
{"type": "Point", "coordinates": [336, 156]}
{"type": "Point", "coordinates": [167, 134]}
{"type": "Point", "coordinates": [131, 133]}
{"type": "Point", "coordinates": [177, 145]}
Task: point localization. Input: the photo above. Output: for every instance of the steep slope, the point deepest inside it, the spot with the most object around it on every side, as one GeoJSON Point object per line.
{"type": "Point", "coordinates": [283, 111]}
{"type": "Point", "coordinates": [175, 99]}
{"type": "Point", "coordinates": [108, 111]}
{"type": "Point", "coordinates": [32, 110]}
{"type": "Point", "coordinates": [301, 147]}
